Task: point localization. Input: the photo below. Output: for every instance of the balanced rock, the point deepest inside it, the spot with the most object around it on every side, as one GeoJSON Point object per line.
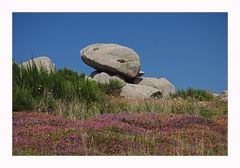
{"type": "Point", "coordinates": [161, 84]}
{"type": "Point", "coordinates": [112, 58]}
{"type": "Point", "coordinates": [41, 62]}
{"type": "Point", "coordinates": [139, 91]}
{"type": "Point", "coordinates": [104, 78]}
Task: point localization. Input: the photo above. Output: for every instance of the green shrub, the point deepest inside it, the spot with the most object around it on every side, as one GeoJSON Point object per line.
{"type": "Point", "coordinates": [22, 99]}
{"type": "Point", "coordinates": [196, 94]}
{"type": "Point", "coordinates": [16, 75]}
{"type": "Point", "coordinates": [36, 89]}
{"type": "Point", "coordinates": [90, 91]}
{"type": "Point", "coordinates": [69, 75]}
{"type": "Point", "coordinates": [112, 87]}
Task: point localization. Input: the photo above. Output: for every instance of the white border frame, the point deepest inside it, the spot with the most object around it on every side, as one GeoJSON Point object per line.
{"type": "Point", "coordinates": [6, 9]}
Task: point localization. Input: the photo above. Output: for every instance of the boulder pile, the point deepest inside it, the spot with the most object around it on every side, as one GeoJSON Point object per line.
{"type": "Point", "coordinates": [117, 62]}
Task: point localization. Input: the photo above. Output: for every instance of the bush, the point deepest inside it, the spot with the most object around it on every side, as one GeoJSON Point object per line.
{"type": "Point", "coordinates": [36, 89]}
{"type": "Point", "coordinates": [69, 75]}
{"type": "Point", "coordinates": [112, 87]}
{"type": "Point", "coordinates": [90, 92]}
{"type": "Point", "coordinates": [16, 75]}
{"type": "Point", "coordinates": [196, 94]}
{"type": "Point", "coordinates": [22, 99]}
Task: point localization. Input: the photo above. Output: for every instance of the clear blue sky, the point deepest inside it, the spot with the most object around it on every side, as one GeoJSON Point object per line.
{"type": "Point", "coordinates": [189, 49]}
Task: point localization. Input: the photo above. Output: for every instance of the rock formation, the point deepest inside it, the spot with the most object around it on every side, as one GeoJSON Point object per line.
{"type": "Point", "coordinates": [116, 62]}
{"type": "Point", "coordinates": [161, 84]}
{"type": "Point", "coordinates": [103, 77]}
{"type": "Point", "coordinates": [41, 62]}
{"type": "Point", "coordinates": [112, 58]}
{"type": "Point", "coordinates": [139, 91]}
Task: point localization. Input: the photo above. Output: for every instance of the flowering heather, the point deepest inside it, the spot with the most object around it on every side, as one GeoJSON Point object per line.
{"type": "Point", "coordinates": [119, 134]}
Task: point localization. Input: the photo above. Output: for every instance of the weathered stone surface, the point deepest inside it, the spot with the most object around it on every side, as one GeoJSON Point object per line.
{"type": "Point", "coordinates": [112, 58]}
{"type": "Point", "coordinates": [103, 77]}
{"type": "Point", "coordinates": [41, 62]}
{"type": "Point", "coordinates": [139, 91]}
{"type": "Point", "coordinates": [161, 84]}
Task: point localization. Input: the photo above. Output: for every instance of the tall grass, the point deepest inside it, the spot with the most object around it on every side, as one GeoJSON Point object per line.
{"type": "Point", "coordinates": [62, 92]}
{"type": "Point", "coordinates": [206, 109]}
{"type": "Point", "coordinates": [197, 94]}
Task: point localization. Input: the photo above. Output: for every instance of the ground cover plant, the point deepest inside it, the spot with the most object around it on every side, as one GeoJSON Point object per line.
{"type": "Point", "coordinates": [119, 134]}
{"type": "Point", "coordinates": [63, 113]}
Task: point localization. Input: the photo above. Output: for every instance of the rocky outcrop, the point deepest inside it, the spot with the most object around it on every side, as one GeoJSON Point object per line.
{"type": "Point", "coordinates": [112, 58]}
{"type": "Point", "coordinates": [116, 62]}
{"type": "Point", "coordinates": [161, 84]}
{"type": "Point", "coordinates": [103, 77]}
{"type": "Point", "coordinates": [139, 91]}
{"type": "Point", "coordinates": [41, 62]}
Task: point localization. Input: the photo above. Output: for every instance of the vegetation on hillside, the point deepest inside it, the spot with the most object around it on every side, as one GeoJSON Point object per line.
{"type": "Point", "coordinates": [119, 134]}
{"type": "Point", "coordinates": [194, 94]}
{"type": "Point", "coordinates": [63, 92]}
{"type": "Point", "coordinates": [64, 113]}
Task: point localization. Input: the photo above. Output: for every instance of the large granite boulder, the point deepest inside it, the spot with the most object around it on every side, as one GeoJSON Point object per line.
{"type": "Point", "coordinates": [112, 58]}
{"type": "Point", "coordinates": [139, 91]}
{"type": "Point", "coordinates": [41, 62]}
{"type": "Point", "coordinates": [161, 84]}
{"type": "Point", "coordinates": [104, 78]}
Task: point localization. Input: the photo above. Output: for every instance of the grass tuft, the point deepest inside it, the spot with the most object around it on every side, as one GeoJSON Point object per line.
{"type": "Point", "coordinates": [195, 94]}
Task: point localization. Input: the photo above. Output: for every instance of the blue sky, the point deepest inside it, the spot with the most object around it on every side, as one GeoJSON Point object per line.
{"type": "Point", "coordinates": [189, 49]}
